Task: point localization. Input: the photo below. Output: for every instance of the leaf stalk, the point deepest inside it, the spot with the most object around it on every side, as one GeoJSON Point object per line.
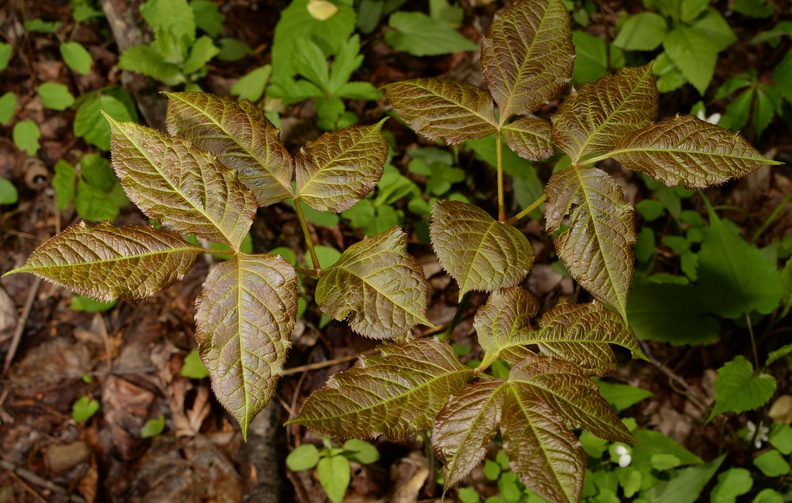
{"type": "Point", "coordinates": [513, 220]}
{"type": "Point", "coordinates": [307, 234]}
{"type": "Point", "coordinates": [499, 162]}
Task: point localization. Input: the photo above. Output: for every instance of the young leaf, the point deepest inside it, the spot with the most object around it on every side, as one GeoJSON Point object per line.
{"type": "Point", "coordinates": [376, 286]}
{"type": "Point", "coordinates": [340, 168]}
{"type": "Point", "coordinates": [738, 389]}
{"type": "Point", "coordinates": [597, 247]}
{"type": "Point", "coordinates": [184, 188]}
{"type": "Point", "coordinates": [8, 192]}
{"type": "Point", "coordinates": [529, 138]}
{"type": "Point", "coordinates": [8, 103]}
{"type": "Point", "coordinates": [55, 96]}
{"type": "Point", "coordinates": [595, 117]}
{"type": "Point", "coordinates": [148, 61]}
{"type": "Point", "coordinates": [465, 426]}
{"type": "Point", "coordinates": [420, 35]}
{"type": "Point", "coordinates": [685, 484]}
{"type": "Point", "coordinates": [105, 262]}
{"type": "Point", "coordinates": [572, 395]}
{"type": "Point", "coordinates": [303, 457]}
{"type": "Point", "coordinates": [240, 136]}
{"type": "Point", "coordinates": [334, 475]}
{"type": "Point", "coordinates": [84, 408]}
{"type": "Point", "coordinates": [76, 57]}
{"type": "Point", "coordinates": [26, 136]}
{"type": "Point", "coordinates": [541, 450]}
{"type": "Point", "coordinates": [642, 32]}
{"type": "Point", "coordinates": [527, 55]}
{"type": "Point", "coordinates": [479, 252]}
{"type": "Point", "coordinates": [687, 150]}
{"type": "Point", "coordinates": [444, 109]}
{"type": "Point", "coordinates": [694, 53]}
{"type": "Point", "coordinates": [735, 277]}
{"type": "Point", "coordinates": [581, 334]}
{"type": "Point", "coordinates": [498, 322]}
{"type": "Point", "coordinates": [395, 394]}
{"type": "Point", "coordinates": [360, 451]}
{"type": "Point", "coordinates": [89, 124]}
{"type": "Point", "coordinates": [244, 318]}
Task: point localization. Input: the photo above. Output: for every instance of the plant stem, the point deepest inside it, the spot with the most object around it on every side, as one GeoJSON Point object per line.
{"type": "Point", "coordinates": [770, 219]}
{"type": "Point", "coordinates": [307, 234]}
{"type": "Point", "coordinates": [463, 304]}
{"type": "Point", "coordinates": [499, 161]}
{"type": "Point", "coordinates": [513, 220]}
{"type": "Point", "coordinates": [314, 273]}
{"type": "Point", "coordinates": [753, 340]}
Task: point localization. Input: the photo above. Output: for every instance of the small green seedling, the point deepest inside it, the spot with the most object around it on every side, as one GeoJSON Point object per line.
{"type": "Point", "coordinates": [84, 409]}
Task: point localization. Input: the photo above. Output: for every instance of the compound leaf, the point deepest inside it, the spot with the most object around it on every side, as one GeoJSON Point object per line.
{"type": "Point", "coordinates": [376, 286]}
{"type": "Point", "coordinates": [240, 136]}
{"type": "Point", "coordinates": [498, 322]}
{"type": "Point", "coordinates": [527, 55]}
{"type": "Point", "coordinates": [465, 426]}
{"type": "Point", "coordinates": [595, 117]}
{"type": "Point", "coordinates": [340, 168]}
{"type": "Point", "coordinates": [187, 189]}
{"type": "Point", "coordinates": [574, 396]}
{"type": "Point", "coordinates": [444, 109]}
{"type": "Point", "coordinates": [395, 394]}
{"type": "Point", "coordinates": [106, 262]}
{"type": "Point", "coordinates": [738, 389]}
{"type": "Point", "coordinates": [244, 318]}
{"type": "Point", "coordinates": [479, 252]}
{"type": "Point", "coordinates": [687, 150]}
{"type": "Point", "coordinates": [581, 334]}
{"type": "Point", "coordinates": [542, 451]}
{"type": "Point", "coordinates": [529, 138]}
{"type": "Point", "coordinates": [597, 247]}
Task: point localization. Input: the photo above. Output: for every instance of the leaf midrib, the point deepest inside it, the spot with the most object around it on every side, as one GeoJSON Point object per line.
{"type": "Point", "coordinates": [620, 151]}
{"type": "Point", "coordinates": [249, 152]}
{"type": "Point", "coordinates": [490, 121]}
{"type": "Point", "coordinates": [192, 249]}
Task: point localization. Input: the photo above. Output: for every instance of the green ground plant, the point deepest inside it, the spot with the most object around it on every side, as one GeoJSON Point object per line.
{"type": "Point", "coordinates": [224, 159]}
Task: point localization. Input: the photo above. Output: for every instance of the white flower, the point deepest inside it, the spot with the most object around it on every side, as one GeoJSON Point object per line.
{"type": "Point", "coordinates": [621, 450]}
{"type": "Point", "coordinates": [625, 460]}
{"type": "Point", "coordinates": [712, 119]}
{"type": "Point", "coordinates": [758, 438]}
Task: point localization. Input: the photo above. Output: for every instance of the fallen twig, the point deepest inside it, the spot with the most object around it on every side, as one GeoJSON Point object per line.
{"type": "Point", "coordinates": [21, 325]}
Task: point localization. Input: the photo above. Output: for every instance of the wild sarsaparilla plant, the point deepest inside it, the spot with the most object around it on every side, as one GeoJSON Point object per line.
{"type": "Point", "coordinates": [226, 159]}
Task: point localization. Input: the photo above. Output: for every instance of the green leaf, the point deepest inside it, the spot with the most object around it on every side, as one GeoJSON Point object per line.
{"type": "Point", "coordinates": [778, 354]}
{"type": "Point", "coordinates": [693, 53]}
{"type": "Point", "coordinates": [360, 451]}
{"type": "Point", "coordinates": [690, 9]}
{"type": "Point", "coordinates": [251, 85]}
{"type": "Point", "coordinates": [40, 26]}
{"type": "Point", "coordinates": [26, 135]}
{"type": "Point", "coordinates": [334, 475]}
{"type": "Point", "coordinates": [498, 323]}
{"type": "Point", "coordinates": [207, 16]}
{"type": "Point", "coordinates": [201, 52]}
{"type": "Point", "coordinates": [147, 61]}
{"type": "Point", "coordinates": [781, 438]}
{"type": "Point", "coordinates": [303, 457]}
{"type": "Point", "coordinates": [684, 485]}
{"type": "Point", "coordinates": [96, 171]}
{"type": "Point", "coordinates": [468, 495]}
{"type": "Point", "coordinates": [89, 124]}
{"type": "Point", "coordinates": [55, 96]}
{"type": "Point", "coordinates": [420, 35]}
{"type": "Point", "coordinates": [651, 443]}
{"type": "Point", "coordinates": [186, 189]}
{"type": "Point", "coordinates": [84, 408]}
{"type": "Point", "coordinates": [153, 427]}
{"type": "Point", "coordinates": [734, 276]}
{"type": "Point", "coordinates": [244, 318]}
{"type": "Point", "coordinates": [571, 394]}
{"type": "Point", "coordinates": [595, 57]}
{"type": "Point", "coordinates": [170, 16]}
{"type": "Point", "coordinates": [772, 464]}
{"type": "Point", "coordinates": [642, 32]}
{"type": "Point", "coordinates": [768, 496]}
{"type": "Point", "coordinates": [712, 26]}
{"type": "Point", "coordinates": [465, 426]}
{"type": "Point", "coordinates": [541, 450]}
{"type": "Point", "coordinates": [479, 252]}
{"type": "Point", "coordinates": [595, 117]}
{"type": "Point", "coordinates": [443, 109]}
{"type": "Point", "coordinates": [731, 484]}
{"type": "Point", "coordinates": [663, 462]}
{"type": "Point", "coordinates": [782, 76]}
{"type": "Point", "coordinates": [83, 10]}
{"type": "Point", "coordinates": [597, 246]}
{"type": "Point", "coordinates": [671, 313]}
{"type": "Point", "coordinates": [5, 55]}
{"type": "Point", "coordinates": [687, 150]}
{"type": "Point", "coordinates": [738, 389]}
{"type": "Point", "coordinates": [376, 286]}
{"type": "Point", "coordinates": [786, 289]}
{"type": "Point", "coordinates": [8, 103]}
{"type": "Point", "coordinates": [105, 262]}
{"type": "Point", "coordinates": [529, 138]}
{"type": "Point", "coordinates": [8, 193]}
{"type": "Point", "coordinates": [396, 394]}
{"type": "Point", "coordinates": [527, 55]}
{"type": "Point", "coordinates": [340, 168]}
{"type": "Point", "coordinates": [622, 396]}
{"type": "Point", "coordinates": [93, 204]}
{"type": "Point", "coordinates": [81, 303]}
{"type": "Point", "coordinates": [232, 49]}
{"type": "Point", "coordinates": [76, 57]}
{"type": "Point", "coordinates": [193, 367]}
{"type": "Point", "coordinates": [240, 136]}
